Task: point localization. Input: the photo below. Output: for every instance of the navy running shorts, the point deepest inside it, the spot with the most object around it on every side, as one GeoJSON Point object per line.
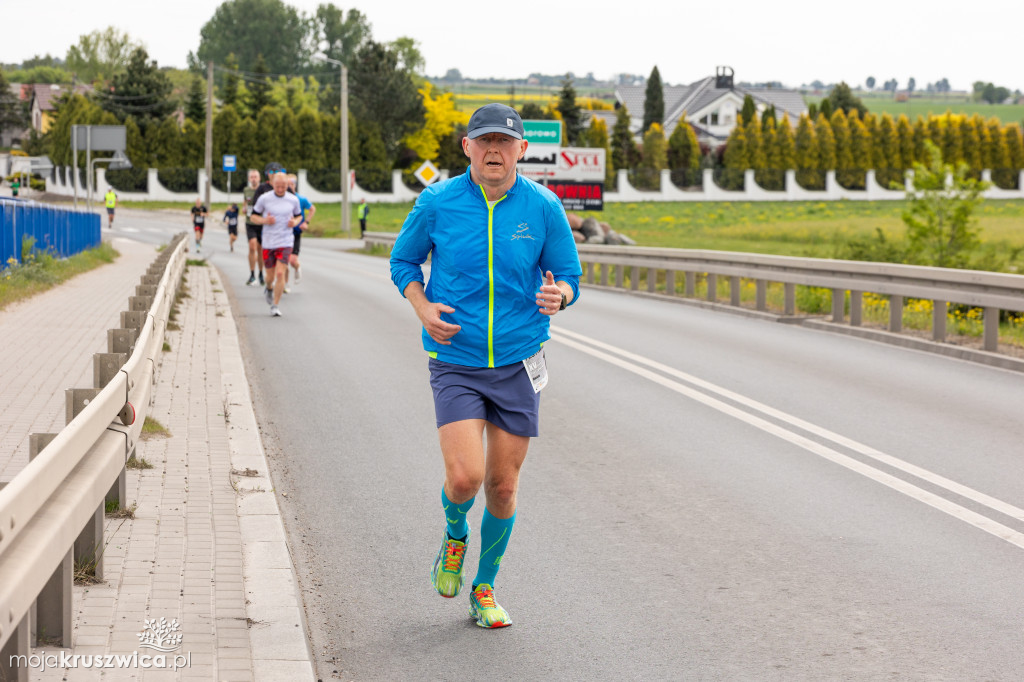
{"type": "Point", "coordinates": [503, 396]}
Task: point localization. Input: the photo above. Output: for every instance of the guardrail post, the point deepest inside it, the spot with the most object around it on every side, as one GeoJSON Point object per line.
{"type": "Point", "coordinates": [604, 274]}
{"type": "Point", "coordinates": [634, 278]}
{"type": "Point", "coordinates": [734, 291]}
{"type": "Point", "coordinates": [51, 613]}
{"type": "Point", "coordinates": [761, 294]}
{"type": "Point", "coordinates": [789, 296]}
{"type": "Point", "coordinates": [670, 282]}
{"type": "Point", "coordinates": [105, 367]}
{"type": "Point", "coordinates": [121, 340]}
{"type": "Point", "coordinates": [690, 285]}
{"type": "Point", "coordinates": [36, 443]}
{"type": "Point", "coordinates": [20, 644]}
{"type": "Point", "coordinates": [838, 305]}
{"type": "Point", "coordinates": [153, 280]}
{"type": "Point", "coordinates": [991, 323]}
{"type": "Point", "coordinates": [856, 308]}
{"type": "Point", "coordinates": [145, 290]}
{"type": "Point", "coordinates": [895, 313]}
{"type": "Point", "coordinates": [712, 287]}
{"type": "Point", "coordinates": [940, 309]}
{"type": "Point", "coordinates": [133, 319]}
{"type": "Point", "coordinates": [620, 276]}
{"type": "Point", "coordinates": [590, 272]}
{"type": "Point", "coordinates": [88, 546]}
{"type": "Point", "coordinates": [652, 280]}
{"type": "Point", "coordinates": [140, 303]}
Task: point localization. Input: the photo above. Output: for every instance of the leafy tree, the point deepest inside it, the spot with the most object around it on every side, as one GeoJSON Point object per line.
{"type": "Point", "coordinates": [99, 55]}
{"type": "Point", "coordinates": [195, 105]}
{"type": "Point", "coordinates": [941, 228]}
{"type": "Point", "coordinates": [259, 86]}
{"type": "Point", "coordinates": [624, 151]}
{"type": "Point", "coordinates": [12, 114]}
{"type": "Point", "coordinates": [654, 159]}
{"type": "Point", "coordinates": [141, 90]}
{"type": "Point", "coordinates": [749, 109]}
{"type": "Point", "coordinates": [341, 34]}
{"type": "Point", "coordinates": [410, 58]}
{"type": "Point", "coordinates": [870, 82]}
{"type": "Point", "coordinates": [572, 113]}
{"type": "Point", "coordinates": [71, 109]}
{"type": "Point", "coordinates": [808, 158]}
{"type": "Point", "coordinates": [295, 93]}
{"type": "Point", "coordinates": [654, 100]}
{"type": "Point", "coordinates": [841, 97]}
{"type": "Point", "coordinates": [249, 28]}
{"type": "Point", "coordinates": [441, 119]}
{"type": "Point", "coordinates": [911, 84]}
{"type": "Point", "coordinates": [684, 152]}
{"type": "Point", "coordinates": [40, 74]}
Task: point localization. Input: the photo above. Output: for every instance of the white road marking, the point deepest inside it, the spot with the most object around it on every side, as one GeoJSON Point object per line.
{"type": "Point", "coordinates": [574, 340]}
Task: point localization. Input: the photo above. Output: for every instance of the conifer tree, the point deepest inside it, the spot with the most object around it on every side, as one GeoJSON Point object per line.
{"type": "Point", "coordinates": [684, 154]}
{"type": "Point", "coordinates": [163, 140]}
{"type": "Point", "coordinates": [773, 177]}
{"type": "Point", "coordinates": [844, 158]}
{"type": "Point", "coordinates": [860, 151]}
{"type": "Point", "coordinates": [757, 155]}
{"type": "Point", "coordinates": [970, 137]}
{"type": "Point", "coordinates": [807, 156]}
{"type": "Point", "coordinates": [1014, 150]}
{"type": "Point", "coordinates": [654, 100]}
{"type": "Point", "coordinates": [934, 134]}
{"type": "Point", "coordinates": [826, 145]}
{"type": "Point", "coordinates": [229, 91]}
{"type": "Point", "coordinates": [654, 159]}
{"type": "Point", "coordinates": [889, 165]}
{"type": "Point", "coordinates": [259, 88]}
{"type": "Point", "coordinates": [749, 109]}
{"type": "Point", "coordinates": [624, 151]}
{"type": "Point", "coordinates": [225, 125]}
{"type": "Point", "coordinates": [768, 117]}
{"type": "Point", "coordinates": [268, 136]}
{"type": "Point", "coordinates": [921, 134]}
{"type": "Point", "coordinates": [193, 148]}
{"type": "Point", "coordinates": [870, 122]}
{"type": "Point", "coordinates": [245, 145]}
{"type": "Point", "coordinates": [572, 113]}
{"type": "Point", "coordinates": [952, 145]}
{"type": "Point", "coordinates": [1002, 175]}
{"type": "Point", "coordinates": [735, 159]}
{"type": "Point", "coordinates": [905, 139]}
{"type": "Point", "coordinates": [597, 136]}
{"type": "Point", "coordinates": [310, 142]}
{"type": "Point", "coordinates": [785, 146]}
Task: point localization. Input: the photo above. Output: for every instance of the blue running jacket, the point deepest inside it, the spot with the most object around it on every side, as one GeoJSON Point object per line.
{"type": "Point", "coordinates": [488, 263]}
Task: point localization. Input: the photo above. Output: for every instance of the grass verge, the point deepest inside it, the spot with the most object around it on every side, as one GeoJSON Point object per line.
{"type": "Point", "coordinates": [40, 271]}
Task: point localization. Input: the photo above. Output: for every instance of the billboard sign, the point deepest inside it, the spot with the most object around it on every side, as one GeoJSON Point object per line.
{"type": "Point", "coordinates": [579, 196]}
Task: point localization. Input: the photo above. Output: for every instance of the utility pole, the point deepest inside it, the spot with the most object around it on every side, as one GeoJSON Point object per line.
{"type": "Point", "coordinates": [346, 219]}
{"type": "Point", "coordinates": [209, 130]}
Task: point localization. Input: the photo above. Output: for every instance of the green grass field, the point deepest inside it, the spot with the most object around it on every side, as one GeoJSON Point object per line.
{"type": "Point", "coordinates": [926, 106]}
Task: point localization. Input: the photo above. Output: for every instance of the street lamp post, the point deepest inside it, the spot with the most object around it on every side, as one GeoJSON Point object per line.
{"type": "Point", "coordinates": [346, 219]}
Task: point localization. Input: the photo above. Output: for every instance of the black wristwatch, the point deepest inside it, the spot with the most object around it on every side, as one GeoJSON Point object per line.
{"type": "Point", "coordinates": [564, 302]}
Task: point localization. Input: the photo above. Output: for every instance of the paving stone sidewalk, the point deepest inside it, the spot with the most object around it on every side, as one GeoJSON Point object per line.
{"type": "Point", "coordinates": [206, 547]}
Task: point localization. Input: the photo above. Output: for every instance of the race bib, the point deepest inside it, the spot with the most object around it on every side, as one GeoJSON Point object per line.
{"type": "Point", "coordinates": [537, 369]}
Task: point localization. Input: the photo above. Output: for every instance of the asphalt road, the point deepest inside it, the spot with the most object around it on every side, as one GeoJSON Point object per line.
{"type": "Point", "coordinates": [712, 497]}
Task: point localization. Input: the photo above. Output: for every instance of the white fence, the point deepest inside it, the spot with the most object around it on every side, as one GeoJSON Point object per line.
{"type": "Point", "coordinates": [708, 191]}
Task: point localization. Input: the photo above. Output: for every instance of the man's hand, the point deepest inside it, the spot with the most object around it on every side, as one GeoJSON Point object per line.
{"type": "Point", "coordinates": [430, 314]}
{"type": "Point", "coordinates": [294, 222]}
{"type": "Point", "coordinates": [549, 297]}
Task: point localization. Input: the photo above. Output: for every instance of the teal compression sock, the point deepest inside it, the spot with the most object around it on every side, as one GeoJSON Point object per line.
{"type": "Point", "coordinates": [494, 534]}
{"type": "Point", "coordinates": [455, 514]}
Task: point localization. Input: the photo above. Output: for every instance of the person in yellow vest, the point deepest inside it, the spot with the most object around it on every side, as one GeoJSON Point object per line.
{"type": "Point", "coordinates": [111, 199]}
{"type": "Point", "coordinates": [363, 210]}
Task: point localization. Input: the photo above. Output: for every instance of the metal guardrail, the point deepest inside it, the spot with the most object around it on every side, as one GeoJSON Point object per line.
{"type": "Point", "coordinates": [52, 512]}
{"type": "Point", "coordinates": [848, 281]}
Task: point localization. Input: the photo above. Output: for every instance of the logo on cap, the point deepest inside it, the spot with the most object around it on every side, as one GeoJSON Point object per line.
{"type": "Point", "coordinates": [508, 122]}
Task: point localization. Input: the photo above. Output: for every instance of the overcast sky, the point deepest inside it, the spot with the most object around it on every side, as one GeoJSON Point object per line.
{"type": "Point", "coordinates": [794, 42]}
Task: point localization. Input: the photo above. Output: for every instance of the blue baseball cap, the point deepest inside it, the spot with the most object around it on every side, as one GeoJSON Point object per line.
{"type": "Point", "coordinates": [495, 118]}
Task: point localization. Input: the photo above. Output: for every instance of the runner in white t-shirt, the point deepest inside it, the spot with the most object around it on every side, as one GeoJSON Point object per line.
{"type": "Point", "coordinates": [278, 212]}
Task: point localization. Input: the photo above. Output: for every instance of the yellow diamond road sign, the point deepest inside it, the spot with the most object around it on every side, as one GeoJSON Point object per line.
{"type": "Point", "coordinates": [427, 173]}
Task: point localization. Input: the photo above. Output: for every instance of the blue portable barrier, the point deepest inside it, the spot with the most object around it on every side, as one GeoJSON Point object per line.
{"type": "Point", "coordinates": [62, 232]}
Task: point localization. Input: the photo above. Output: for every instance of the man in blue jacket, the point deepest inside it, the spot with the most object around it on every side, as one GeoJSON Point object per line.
{"type": "Point", "coordinates": [503, 262]}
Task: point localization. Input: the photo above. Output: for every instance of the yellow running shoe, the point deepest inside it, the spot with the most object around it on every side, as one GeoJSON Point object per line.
{"type": "Point", "coordinates": [486, 611]}
{"type": "Point", "coordinates": [446, 575]}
